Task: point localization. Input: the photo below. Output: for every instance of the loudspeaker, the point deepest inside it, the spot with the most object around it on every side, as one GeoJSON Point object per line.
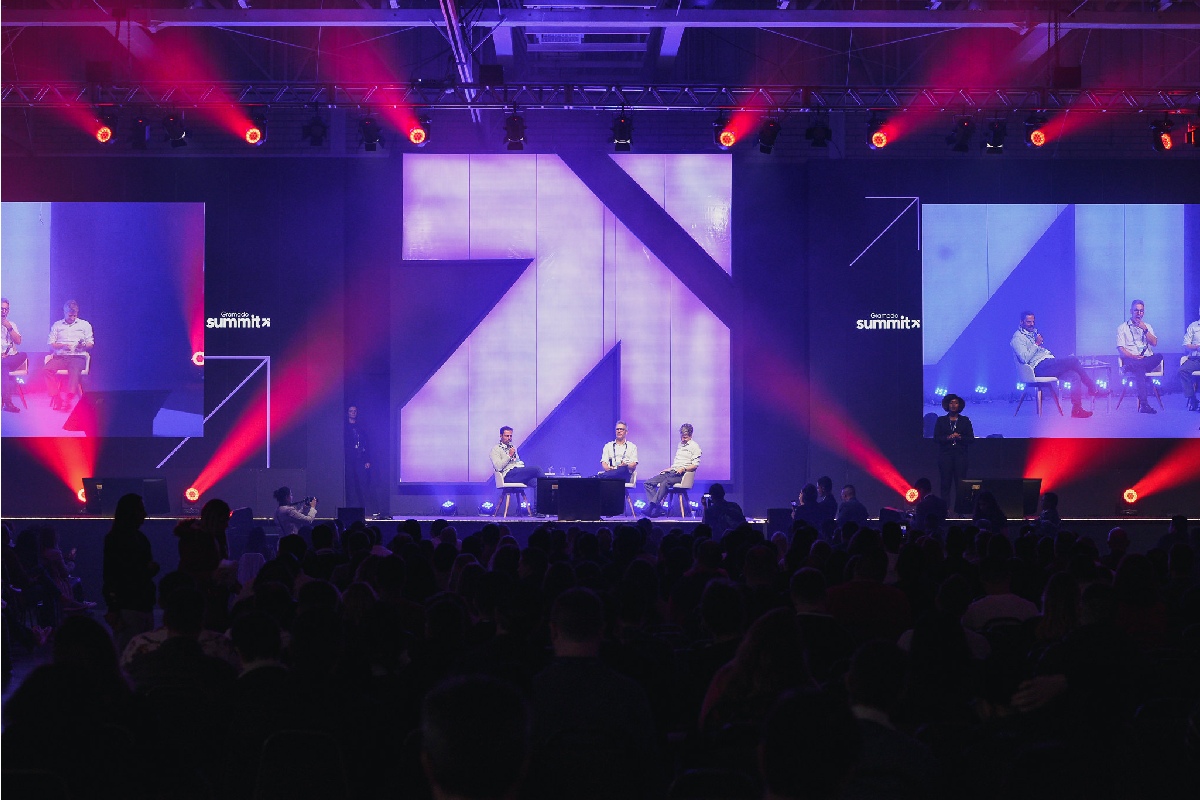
{"type": "Point", "coordinates": [889, 514]}
{"type": "Point", "coordinates": [103, 494]}
{"type": "Point", "coordinates": [350, 515]}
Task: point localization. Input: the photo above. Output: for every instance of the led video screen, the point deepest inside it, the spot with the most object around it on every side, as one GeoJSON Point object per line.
{"type": "Point", "coordinates": [528, 302]}
{"type": "Point", "coordinates": [1020, 300]}
{"type": "Point", "coordinates": [107, 302]}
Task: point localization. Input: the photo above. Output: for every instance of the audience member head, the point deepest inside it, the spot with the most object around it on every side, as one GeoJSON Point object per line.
{"type": "Point", "coordinates": [810, 743]}
{"type": "Point", "coordinates": [256, 637]}
{"type": "Point", "coordinates": [322, 536]}
{"type": "Point", "coordinates": [807, 589]}
{"type": "Point", "coordinates": [923, 486]}
{"type": "Point", "coordinates": [876, 676]}
{"type": "Point", "coordinates": [824, 486]}
{"type": "Point", "coordinates": [808, 494]}
{"type": "Point", "coordinates": [215, 514]}
{"type": "Point", "coordinates": [476, 739]}
{"type": "Point", "coordinates": [283, 495]}
{"type": "Point", "coordinates": [716, 491]}
{"type": "Point", "coordinates": [577, 623]}
{"type": "Point", "coordinates": [723, 609]}
{"type": "Point", "coordinates": [130, 511]}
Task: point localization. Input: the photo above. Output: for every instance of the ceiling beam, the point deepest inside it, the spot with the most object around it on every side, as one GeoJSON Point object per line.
{"type": "Point", "coordinates": [594, 19]}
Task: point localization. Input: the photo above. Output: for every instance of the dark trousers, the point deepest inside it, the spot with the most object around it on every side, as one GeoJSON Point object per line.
{"type": "Point", "coordinates": [656, 487]}
{"type": "Point", "coordinates": [524, 475]}
{"type": "Point", "coordinates": [1138, 367]}
{"type": "Point", "coordinates": [359, 491]}
{"type": "Point", "coordinates": [1058, 367]}
{"type": "Point", "coordinates": [1185, 376]}
{"type": "Point", "coordinates": [10, 363]}
{"type": "Point", "coordinates": [952, 464]}
{"type": "Point", "coordinates": [621, 474]}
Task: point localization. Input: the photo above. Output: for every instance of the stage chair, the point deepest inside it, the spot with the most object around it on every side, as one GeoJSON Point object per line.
{"type": "Point", "coordinates": [1035, 384]}
{"type": "Point", "coordinates": [87, 369]}
{"type": "Point", "coordinates": [680, 491]}
{"type": "Point", "coordinates": [628, 488]}
{"type": "Point", "coordinates": [507, 490]}
{"type": "Point", "coordinates": [20, 374]}
{"type": "Point", "coordinates": [1151, 375]}
{"type": "Point", "coordinates": [1183, 358]}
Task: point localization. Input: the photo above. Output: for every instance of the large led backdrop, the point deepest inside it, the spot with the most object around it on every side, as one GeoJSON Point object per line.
{"type": "Point", "coordinates": [570, 320]}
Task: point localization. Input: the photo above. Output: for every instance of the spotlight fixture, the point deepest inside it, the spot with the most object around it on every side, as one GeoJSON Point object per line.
{"type": "Point", "coordinates": [514, 132]}
{"type": "Point", "coordinates": [191, 501]}
{"type": "Point", "coordinates": [449, 508]}
{"type": "Point", "coordinates": [418, 132]}
{"type": "Point", "coordinates": [315, 130]}
{"type": "Point", "coordinates": [724, 137]}
{"type": "Point", "coordinates": [139, 134]}
{"type": "Point", "coordinates": [877, 134]}
{"type": "Point", "coordinates": [993, 140]}
{"type": "Point", "coordinates": [1127, 505]}
{"type": "Point", "coordinates": [487, 508]}
{"type": "Point", "coordinates": [371, 134]}
{"type": "Point", "coordinates": [1035, 130]}
{"type": "Point", "coordinates": [1160, 131]}
{"type": "Point", "coordinates": [176, 132]}
{"type": "Point", "coordinates": [818, 133]}
{"type": "Point", "coordinates": [106, 127]}
{"type": "Point", "coordinates": [256, 132]}
{"type": "Point", "coordinates": [911, 495]}
{"type": "Point", "coordinates": [767, 136]}
{"type": "Point", "coordinates": [622, 133]}
{"type": "Point", "coordinates": [198, 358]}
{"type": "Point", "coordinates": [960, 135]}
{"type": "Point", "coordinates": [81, 496]}
{"type": "Point", "coordinates": [1192, 135]}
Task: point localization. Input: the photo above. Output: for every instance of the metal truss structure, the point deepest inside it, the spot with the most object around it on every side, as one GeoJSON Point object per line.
{"type": "Point", "coordinates": [766, 99]}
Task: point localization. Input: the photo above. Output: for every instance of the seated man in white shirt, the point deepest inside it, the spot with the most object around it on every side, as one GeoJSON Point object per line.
{"type": "Point", "coordinates": [687, 459]}
{"type": "Point", "coordinates": [619, 458]}
{"type": "Point", "coordinates": [998, 602]}
{"type": "Point", "coordinates": [70, 339]}
{"type": "Point", "coordinates": [1191, 349]}
{"type": "Point", "coordinates": [1136, 341]}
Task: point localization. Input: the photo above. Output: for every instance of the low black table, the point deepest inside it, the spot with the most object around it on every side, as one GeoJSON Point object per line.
{"type": "Point", "coordinates": [573, 498]}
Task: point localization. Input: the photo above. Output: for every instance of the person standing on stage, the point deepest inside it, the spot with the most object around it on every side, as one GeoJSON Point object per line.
{"type": "Point", "coordinates": [1136, 341]}
{"type": "Point", "coordinates": [1027, 346]}
{"type": "Point", "coordinates": [620, 457]}
{"type": "Point", "coordinates": [359, 491]}
{"type": "Point", "coordinates": [10, 337]}
{"type": "Point", "coordinates": [687, 459]}
{"type": "Point", "coordinates": [71, 338]}
{"type": "Point", "coordinates": [508, 463]}
{"type": "Point", "coordinates": [953, 434]}
{"type": "Point", "coordinates": [1191, 349]}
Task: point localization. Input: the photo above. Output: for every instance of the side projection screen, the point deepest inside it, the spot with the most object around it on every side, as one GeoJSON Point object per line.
{"type": "Point", "coordinates": [135, 272]}
{"type": "Point", "coordinates": [1077, 269]}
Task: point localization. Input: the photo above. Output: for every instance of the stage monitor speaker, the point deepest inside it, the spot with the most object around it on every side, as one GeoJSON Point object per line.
{"type": "Point", "coordinates": [349, 515]}
{"type": "Point", "coordinates": [103, 494]}
{"type": "Point", "coordinates": [242, 517]}
{"type": "Point", "coordinates": [889, 514]}
{"type": "Point", "coordinates": [779, 519]}
{"type": "Point", "coordinates": [1017, 497]}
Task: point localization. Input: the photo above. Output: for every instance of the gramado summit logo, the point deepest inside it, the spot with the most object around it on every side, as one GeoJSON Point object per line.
{"type": "Point", "coordinates": [888, 322]}
{"type": "Point", "coordinates": [237, 319]}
